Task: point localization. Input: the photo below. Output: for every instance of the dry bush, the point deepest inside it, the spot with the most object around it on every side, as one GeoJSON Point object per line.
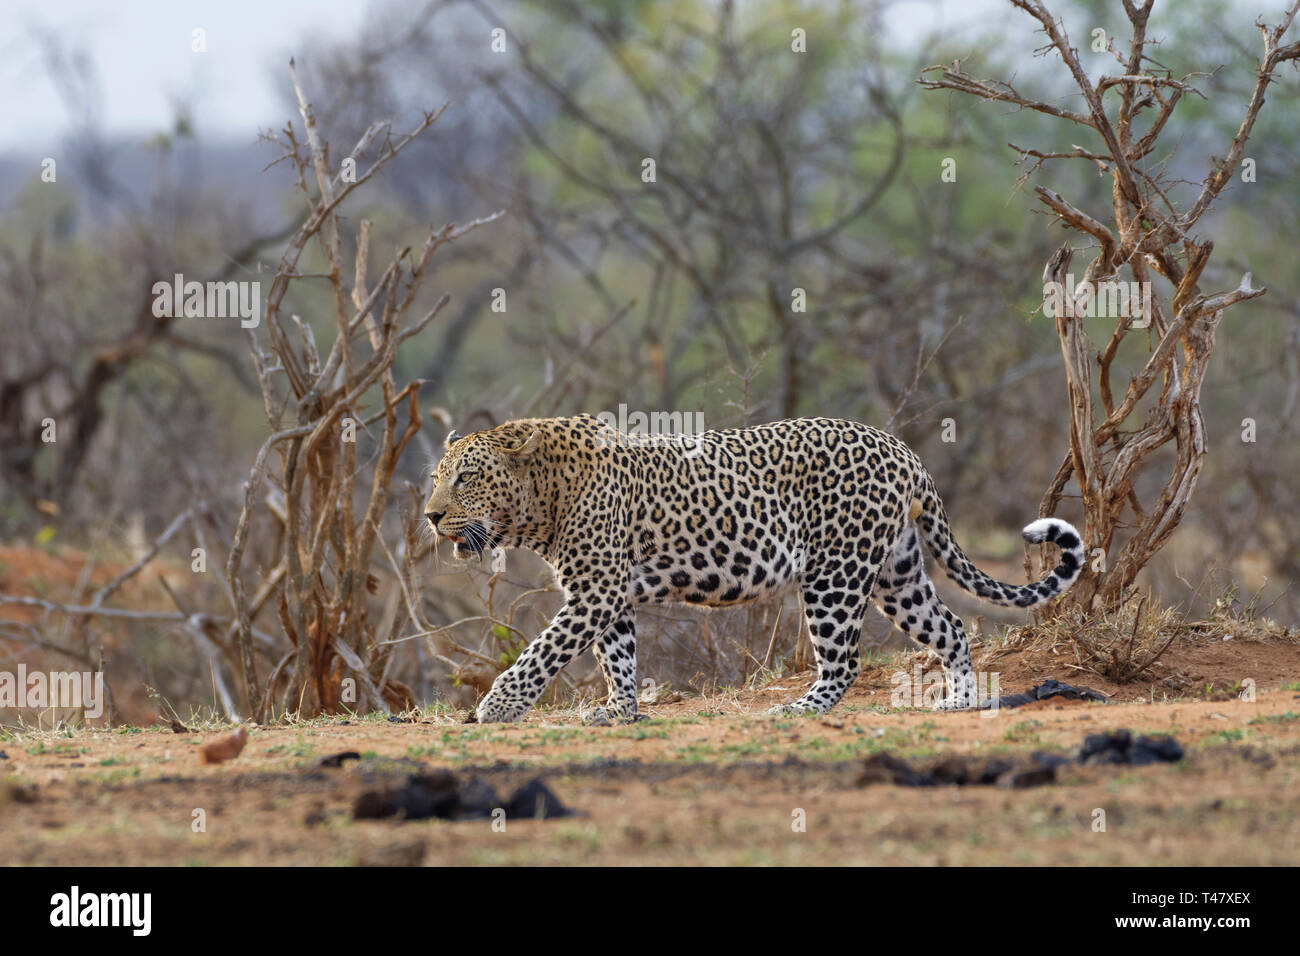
{"type": "Point", "coordinates": [1123, 644]}
{"type": "Point", "coordinates": [1129, 643]}
{"type": "Point", "coordinates": [309, 530]}
{"type": "Point", "coordinates": [1147, 234]}
{"type": "Point", "coordinates": [331, 505]}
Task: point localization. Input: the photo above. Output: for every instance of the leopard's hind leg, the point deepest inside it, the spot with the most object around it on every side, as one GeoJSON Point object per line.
{"type": "Point", "coordinates": [616, 655]}
{"type": "Point", "coordinates": [834, 608]}
{"type": "Point", "coordinates": [905, 595]}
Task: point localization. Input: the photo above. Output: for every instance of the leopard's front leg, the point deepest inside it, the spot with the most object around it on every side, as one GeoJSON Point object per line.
{"type": "Point", "coordinates": [595, 595]}
{"type": "Point", "coordinates": [519, 686]}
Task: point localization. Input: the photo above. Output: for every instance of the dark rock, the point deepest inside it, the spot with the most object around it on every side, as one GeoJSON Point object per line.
{"type": "Point", "coordinates": [430, 795]}
{"type": "Point", "coordinates": [886, 768]}
{"type": "Point", "coordinates": [1109, 748]}
{"type": "Point", "coordinates": [1043, 759]}
{"type": "Point", "coordinates": [1120, 748]}
{"type": "Point", "coordinates": [1029, 778]}
{"type": "Point", "coordinates": [371, 805]}
{"type": "Point", "coordinates": [1106, 748]}
{"type": "Point", "coordinates": [1156, 750]}
{"type": "Point", "coordinates": [478, 799]}
{"type": "Point", "coordinates": [1047, 689]}
{"type": "Point", "coordinates": [535, 801]}
{"type": "Point", "coordinates": [438, 793]}
{"type": "Point", "coordinates": [994, 770]}
{"type": "Point", "coordinates": [950, 770]}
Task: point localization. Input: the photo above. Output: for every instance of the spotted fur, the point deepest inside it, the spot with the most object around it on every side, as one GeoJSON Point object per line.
{"type": "Point", "coordinates": [717, 520]}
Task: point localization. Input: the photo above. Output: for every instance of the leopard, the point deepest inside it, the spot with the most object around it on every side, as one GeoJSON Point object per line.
{"type": "Point", "coordinates": [719, 518]}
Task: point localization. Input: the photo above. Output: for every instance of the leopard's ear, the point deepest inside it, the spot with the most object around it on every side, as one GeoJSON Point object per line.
{"type": "Point", "coordinates": [528, 449]}
{"type": "Point", "coordinates": [452, 437]}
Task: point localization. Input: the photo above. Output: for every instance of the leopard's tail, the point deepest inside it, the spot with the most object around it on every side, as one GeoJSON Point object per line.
{"type": "Point", "coordinates": [927, 510]}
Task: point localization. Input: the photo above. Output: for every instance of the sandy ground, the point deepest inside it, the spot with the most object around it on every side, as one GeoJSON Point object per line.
{"type": "Point", "coordinates": [704, 780]}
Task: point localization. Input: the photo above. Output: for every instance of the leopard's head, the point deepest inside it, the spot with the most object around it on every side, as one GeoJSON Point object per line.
{"type": "Point", "coordinates": [480, 487]}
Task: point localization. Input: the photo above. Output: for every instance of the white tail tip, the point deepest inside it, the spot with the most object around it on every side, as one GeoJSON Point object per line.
{"type": "Point", "coordinates": [1046, 529]}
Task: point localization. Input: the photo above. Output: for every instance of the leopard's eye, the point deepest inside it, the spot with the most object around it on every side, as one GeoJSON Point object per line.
{"type": "Point", "coordinates": [463, 477]}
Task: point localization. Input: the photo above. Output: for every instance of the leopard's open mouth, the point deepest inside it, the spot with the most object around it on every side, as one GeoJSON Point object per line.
{"type": "Point", "coordinates": [469, 542]}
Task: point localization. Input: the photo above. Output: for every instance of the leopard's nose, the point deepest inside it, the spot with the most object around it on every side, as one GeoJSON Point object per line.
{"type": "Point", "coordinates": [434, 517]}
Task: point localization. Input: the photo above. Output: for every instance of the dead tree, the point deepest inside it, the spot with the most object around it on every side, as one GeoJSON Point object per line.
{"type": "Point", "coordinates": [316, 405]}
{"type": "Point", "coordinates": [1147, 232]}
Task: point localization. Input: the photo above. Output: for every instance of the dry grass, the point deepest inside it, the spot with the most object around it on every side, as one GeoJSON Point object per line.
{"type": "Point", "coordinates": [1123, 645]}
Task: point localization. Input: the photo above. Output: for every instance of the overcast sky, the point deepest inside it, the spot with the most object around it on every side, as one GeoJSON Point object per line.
{"type": "Point", "coordinates": [141, 51]}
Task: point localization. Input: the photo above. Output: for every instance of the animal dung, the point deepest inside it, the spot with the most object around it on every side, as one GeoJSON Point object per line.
{"type": "Point", "coordinates": [1117, 747]}
{"type": "Point", "coordinates": [959, 771]}
{"type": "Point", "coordinates": [440, 794]}
{"type": "Point", "coordinates": [1120, 748]}
{"type": "Point", "coordinates": [1044, 691]}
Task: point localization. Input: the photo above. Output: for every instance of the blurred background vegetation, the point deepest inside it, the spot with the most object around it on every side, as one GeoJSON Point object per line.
{"type": "Point", "coordinates": [773, 171]}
